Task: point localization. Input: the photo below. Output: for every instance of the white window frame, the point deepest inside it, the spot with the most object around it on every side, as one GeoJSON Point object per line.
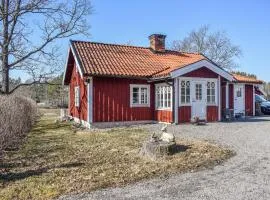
{"type": "Point", "coordinates": [77, 96]}
{"type": "Point", "coordinates": [131, 95]}
{"type": "Point", "coordinates": [180, 91]}
{"type": "Point", "coordinates": [216, 91]}
{"type": "Point", "coordinates": [192, 79]}
{"type": "Point", "coordinates": [156, 99]}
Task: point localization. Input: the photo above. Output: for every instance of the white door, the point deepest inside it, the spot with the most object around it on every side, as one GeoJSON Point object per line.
{"type": "Point", "coordinates": [239, 104]}
{"type": "Point", "coordinates": [198, 99]}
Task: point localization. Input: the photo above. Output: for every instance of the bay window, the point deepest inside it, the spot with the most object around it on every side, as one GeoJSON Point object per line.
{"type": "Point", "coordinates": [163, 96]}
{"type": "Point", "coordinates": [139, 95]}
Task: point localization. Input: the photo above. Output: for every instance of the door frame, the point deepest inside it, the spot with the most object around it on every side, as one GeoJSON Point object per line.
{"type": "Point", "coordinates": [193, 96]}
{"type": "Point", "coordinates": [243, 97]}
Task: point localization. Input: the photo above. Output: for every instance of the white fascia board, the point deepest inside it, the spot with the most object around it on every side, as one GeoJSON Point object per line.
{"type": "Point", "coordinates": [66, 66]}
{"type": "Point", "coordinates": [202, 63]}
{"type": "Point", "coordinates": [78, 66]}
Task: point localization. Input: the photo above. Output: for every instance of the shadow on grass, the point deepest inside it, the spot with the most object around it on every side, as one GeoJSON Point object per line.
{"type": "Point", "coordinates": [181, 148]}
{"type": "Point", "coordinates": [15, 176]}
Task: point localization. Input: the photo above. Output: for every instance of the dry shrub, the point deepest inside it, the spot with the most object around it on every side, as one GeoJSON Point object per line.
{"type": "Point", "coordinates": [17, 116]}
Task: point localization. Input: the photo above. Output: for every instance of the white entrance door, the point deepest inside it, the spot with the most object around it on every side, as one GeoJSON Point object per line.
{"type": "Point", "coordinates": [198, 99]}
{"type": "Point", "coordinates": [239, 104]}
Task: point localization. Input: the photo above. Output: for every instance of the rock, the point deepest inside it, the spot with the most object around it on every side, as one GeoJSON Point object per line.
{"type": "Point", "coordinates": [167, 137]}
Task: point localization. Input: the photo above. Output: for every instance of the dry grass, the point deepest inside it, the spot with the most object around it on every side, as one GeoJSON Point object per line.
{"type": "Point", "coordinates": [55, 161]}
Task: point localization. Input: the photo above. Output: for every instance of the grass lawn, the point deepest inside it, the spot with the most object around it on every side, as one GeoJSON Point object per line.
{"type": "Point", "coordinates": [56, 160]}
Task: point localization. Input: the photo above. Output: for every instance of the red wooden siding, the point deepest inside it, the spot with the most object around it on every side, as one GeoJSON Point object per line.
{"type": "Point", "coordinates": [249, 99]}
{"type": "Point", "coordinates": [223, 96]}
{"type": "Point", "coordinates": [212, 113]}
{"type": "Point", "coordinates": [231, 96]}
{"type": "Point", "coordinates": [81, 111]}
{"type": "Point", "coordinates": [164, 116]}
{"type": "Point", "coordinates": [111, 101]}
{"type": "Point", "coordinates": [184, 114]}
{"type": "Point", "coordinates": [202, 73]}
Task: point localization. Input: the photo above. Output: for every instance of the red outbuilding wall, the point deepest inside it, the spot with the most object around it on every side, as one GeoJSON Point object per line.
{"type": "Point", "coordinates": [249, 99]}
{"type": "Point", "coordinates": [231, 96]}
{"type": "Point", "coordinates": [111, 101]}
{"type": "Point", "coordinates": [81, 111]}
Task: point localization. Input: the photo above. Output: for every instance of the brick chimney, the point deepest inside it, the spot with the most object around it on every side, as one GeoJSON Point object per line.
{"type": "Point", "coordinates": [157, 42]}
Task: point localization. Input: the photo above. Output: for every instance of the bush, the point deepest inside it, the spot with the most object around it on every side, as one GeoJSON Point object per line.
{"type": "Point", "coordinates": [17, 116]}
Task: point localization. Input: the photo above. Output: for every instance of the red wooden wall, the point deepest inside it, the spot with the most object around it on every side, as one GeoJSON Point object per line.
{"type": "Point", "coordinates": [184, 114]}
{"type": "Point", "coordinates": [164, 116]}
{"type": "Point", "coordinates": [111, 101]}
{"type": "Point", "coordinates": [202, 72]}
{"type": "Point", "coordinates": [249, 99]}
{"type": "Point", "coordinates": [212, 113]}
{"type": "Point", "coordinates": [81, 111]}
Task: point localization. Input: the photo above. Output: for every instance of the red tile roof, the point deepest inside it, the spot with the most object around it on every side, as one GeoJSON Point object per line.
{"type": "Point", "coordinates": [121, 60]}
{"type": "Point", "coordinates": [246, 79]}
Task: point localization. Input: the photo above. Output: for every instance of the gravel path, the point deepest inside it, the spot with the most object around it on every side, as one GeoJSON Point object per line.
{"type": "Point", "coordinates": [245, 176]}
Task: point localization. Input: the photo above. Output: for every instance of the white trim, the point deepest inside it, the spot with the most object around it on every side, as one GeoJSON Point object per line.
{"type": "Point", "coordinates": [90, 100]}
{"type": "Point", "coordinates": [131, 86]}
{"type": "Point", "coordinates": [192, 79]}
{"type": "Point", "coordinates": [176, 100]}
{"type": "Point", "coordinates": [78, 66]}
{"type": "Point", "coordinates": [166, 85]}
{"type": "Point", "coordinates": [203, 63]}
{"type": "Point", "coordinates": [254, 104]}
{"type": "Point", "coordinates": [66, 64]}
{"type": "Point", "coordinates": [219, 99]}
{"type": "Point", "coordinates": [227, 95]}
{"type": "Point", "coordinates": [244, 97]}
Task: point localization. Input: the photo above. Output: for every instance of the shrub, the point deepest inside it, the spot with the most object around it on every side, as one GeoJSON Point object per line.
{"type": "Point", "coordinates": [17, 116]}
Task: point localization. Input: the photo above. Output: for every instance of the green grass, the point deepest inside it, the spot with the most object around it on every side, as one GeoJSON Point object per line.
{"type": "Point", "coordinates": [57, 160]}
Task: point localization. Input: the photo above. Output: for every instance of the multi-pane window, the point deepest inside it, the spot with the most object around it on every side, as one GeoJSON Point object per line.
{"type": "Point", "coordinates": [211, 92]}
{"type": "Point", "coordinates": [77, 96]}
{"type": "Point", "coordinates": [198, 88]}
{"type": "Point", "coordinates": [185, 92]}
{"type": "Point", "coordinates": [139, 95]}
{"type": "Point", "coordinates": [163, 97]}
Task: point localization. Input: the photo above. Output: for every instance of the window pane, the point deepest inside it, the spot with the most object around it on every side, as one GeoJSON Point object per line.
{"type": "Point", "coordinates": [135, 95]}
{"type": "Point", "coordinates": [208, 99]}
{"type": "Point", "coordinates": [183, 99]}
{"type": "Point", "coordinates": [187, 99]}
{"type": "Point", "coordinates": [144, 96]}
{"type": "Point", "coordinates": [213, 99]}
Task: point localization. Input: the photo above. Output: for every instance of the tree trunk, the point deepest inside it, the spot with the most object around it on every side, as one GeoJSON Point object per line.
{"type": "Point", "coordinates": [4, 57]}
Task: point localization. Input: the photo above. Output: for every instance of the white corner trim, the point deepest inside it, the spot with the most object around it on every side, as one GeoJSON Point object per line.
{"type": "Point", "coordinates": [219, 99]}
{"type": "Point", "coordinates": [176, 99]}
{"type": "Point", "coordinates": [254, 104]}
{"type": "Point", "coordinates": [131, 86]}
{"type": "Point", "coordinates": [202, 63]}
{"type": "Point", "coordinates": [90, 100]}
{"type": "Point", "coordinates": [78, 66]}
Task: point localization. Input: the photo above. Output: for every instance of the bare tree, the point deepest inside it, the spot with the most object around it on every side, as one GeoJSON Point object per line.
{"type": "Point", "coordinates": [214, 45]}
{"type": "Point", "coordinates": [29, 32]}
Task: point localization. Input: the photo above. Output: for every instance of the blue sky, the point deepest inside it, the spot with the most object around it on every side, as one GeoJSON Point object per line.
{"type": "Point", "coordinates": [247, 23]}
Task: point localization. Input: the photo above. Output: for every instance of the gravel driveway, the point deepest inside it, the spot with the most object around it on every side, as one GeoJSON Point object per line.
{"type": "Point", "coordinates": [245, 176]}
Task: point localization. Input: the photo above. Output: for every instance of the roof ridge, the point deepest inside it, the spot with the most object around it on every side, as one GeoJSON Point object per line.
{"type": "Point", "coordinates": [133, 46]}
{"type": "Point", "coordinates": [111, 44]}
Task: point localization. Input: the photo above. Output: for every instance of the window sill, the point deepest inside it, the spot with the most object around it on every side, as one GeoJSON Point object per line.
{"type": "Point", "coordinates": [165, 109]}
{"type": "Point", "coordinates": [140, 105]}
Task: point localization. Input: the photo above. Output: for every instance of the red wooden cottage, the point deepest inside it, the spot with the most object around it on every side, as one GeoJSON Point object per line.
{"type": "Point", "coordinates": [110, 83]}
